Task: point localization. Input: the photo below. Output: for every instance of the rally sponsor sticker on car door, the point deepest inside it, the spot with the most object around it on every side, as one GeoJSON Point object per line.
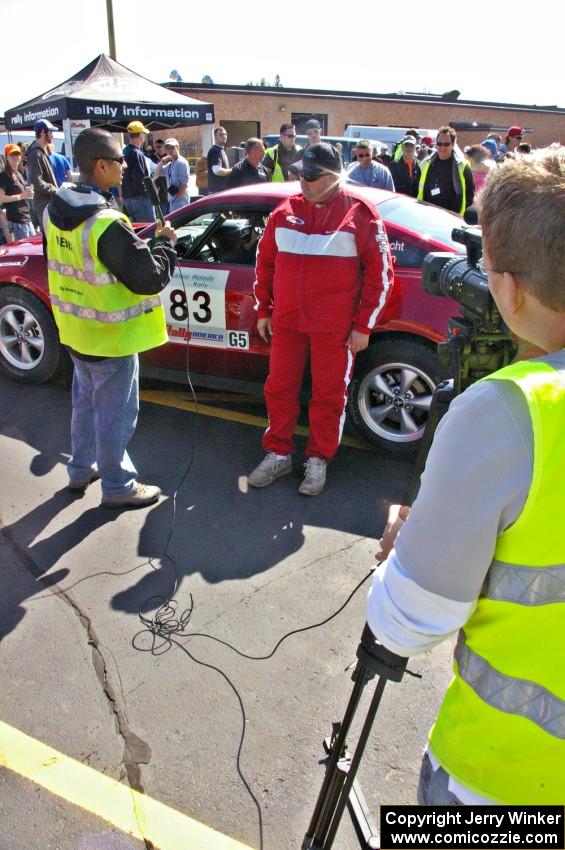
{"type": "Point", "coordinates": [195, 309]}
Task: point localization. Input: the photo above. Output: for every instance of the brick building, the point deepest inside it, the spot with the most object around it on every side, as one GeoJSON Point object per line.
{"type": "Point", "coordinates": [248, 111]}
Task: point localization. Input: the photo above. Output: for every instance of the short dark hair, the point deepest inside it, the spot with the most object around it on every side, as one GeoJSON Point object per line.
{"type": "Point", "coordinates": [446, 130]}
{"type": "Point", "coordinates": [93, 144]}
{"type": "Point", "coordinates": [477, 152]}
{"type": "Point", "coordinates": [217, 130]}
{"type": "Point", "coordinates": [285, 127]}
{"type": "Point", "coordinates": [250, 143]}
{"type": "Point", "coordinates": [159, 142]}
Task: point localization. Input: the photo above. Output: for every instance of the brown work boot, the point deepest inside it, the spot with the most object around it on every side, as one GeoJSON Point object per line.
{"type": "Point", "coordinates": [80, 486]}
{"type": "Point", "coordinates": [139, 496]}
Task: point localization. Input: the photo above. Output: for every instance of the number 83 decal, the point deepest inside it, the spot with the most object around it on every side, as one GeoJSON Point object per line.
{"type": "Point", "coordinates": [200, 301]}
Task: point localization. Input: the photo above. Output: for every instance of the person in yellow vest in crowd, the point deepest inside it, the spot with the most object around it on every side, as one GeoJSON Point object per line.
{"type": "Point", "coordinates": [483, 550]}
{"type": "Point", "coordinates": [280, 157]}
{"type": "Point", "coordinates": [104, 285]}
{"type": "Point", "coordinates": [399, 149]}
{"type": "Point", "coordinates": [446, 179]}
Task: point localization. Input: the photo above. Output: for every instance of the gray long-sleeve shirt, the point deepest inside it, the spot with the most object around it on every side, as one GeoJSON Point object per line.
{"type": "Point", "coordinates": [476, 481]}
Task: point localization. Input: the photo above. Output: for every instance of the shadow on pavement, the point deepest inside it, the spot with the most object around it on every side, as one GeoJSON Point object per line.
{"type": "Point", "coordinates": [221, 532]}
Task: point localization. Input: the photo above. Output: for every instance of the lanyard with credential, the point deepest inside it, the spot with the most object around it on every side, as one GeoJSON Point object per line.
{"type": "Point", "coordinates": [170, 181]}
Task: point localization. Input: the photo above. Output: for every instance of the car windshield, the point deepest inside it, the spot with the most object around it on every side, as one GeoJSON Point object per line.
{"type": "Point", "coordinates": [429, 222]}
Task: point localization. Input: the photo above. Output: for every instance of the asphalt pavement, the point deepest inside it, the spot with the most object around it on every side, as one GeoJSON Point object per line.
{"type": "Point", "coordinates": [114, 739]}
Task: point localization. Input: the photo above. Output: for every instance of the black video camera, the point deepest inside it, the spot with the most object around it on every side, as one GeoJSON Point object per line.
{"type": "Point", "coordinates": [478, 341]}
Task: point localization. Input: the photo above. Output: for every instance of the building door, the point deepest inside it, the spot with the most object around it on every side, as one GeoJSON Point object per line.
{"type": "Point", "coordinates": [239, 131]}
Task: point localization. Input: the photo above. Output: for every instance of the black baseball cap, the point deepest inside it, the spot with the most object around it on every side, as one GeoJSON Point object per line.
{"type": "Point", "coordinates": [319, 159]}
{"type": "Point", "coordinates": [313, 124]}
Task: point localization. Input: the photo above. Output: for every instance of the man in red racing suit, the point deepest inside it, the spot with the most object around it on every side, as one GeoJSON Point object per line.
{"type": "Point", "coordinates": [324, 273]}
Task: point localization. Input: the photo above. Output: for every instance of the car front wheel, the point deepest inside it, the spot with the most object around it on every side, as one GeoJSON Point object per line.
{"type": "Point", "coordinates": [391, 393]}
{"type": "Point", "coordinates": [29, 342]}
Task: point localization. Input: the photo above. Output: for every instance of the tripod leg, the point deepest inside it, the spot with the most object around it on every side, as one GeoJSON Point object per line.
{"type": "Point", "coordinates": [333, 778]}
{"type": "Point", "coordinates": [355, 762]}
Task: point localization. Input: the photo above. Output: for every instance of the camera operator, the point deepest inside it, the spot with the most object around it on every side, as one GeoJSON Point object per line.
{"type": "Point", "coordinates": [483, 550]}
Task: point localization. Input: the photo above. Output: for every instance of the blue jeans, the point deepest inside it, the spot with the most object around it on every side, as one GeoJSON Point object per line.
{"type": "Point", "coordinates": [139, 209]}
{"type": "Point", "coordinates": [21, 230]}
{"type": "Point", "coordinates": [105, 408]}
{"type": "Point", "coordinates": [433, 786]}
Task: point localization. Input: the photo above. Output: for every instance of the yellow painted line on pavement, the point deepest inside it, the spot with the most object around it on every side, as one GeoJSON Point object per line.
{"type": "Point", "coordinates": [239, 398]}
{"type": "Point", "coordinates": [178, 401]}
{"type": "Point", "coordinates": [134, 813]}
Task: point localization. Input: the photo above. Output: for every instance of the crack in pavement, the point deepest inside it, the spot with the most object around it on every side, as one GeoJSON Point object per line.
{"type": "Point", "coordinates": [136, 751]}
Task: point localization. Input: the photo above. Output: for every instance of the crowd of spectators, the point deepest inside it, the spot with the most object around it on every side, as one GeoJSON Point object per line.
{"type": "Point", "coordinates": [436, 169]}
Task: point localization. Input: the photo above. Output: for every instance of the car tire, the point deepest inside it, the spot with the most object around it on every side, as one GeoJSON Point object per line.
{"type": "Point", "coordinates": [391, 392]}
{"type": "Point", "coordinates": [30, 350]}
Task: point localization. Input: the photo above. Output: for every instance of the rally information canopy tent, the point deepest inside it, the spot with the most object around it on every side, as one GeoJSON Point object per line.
{"type": "Point", "coordinates": [109, 95]}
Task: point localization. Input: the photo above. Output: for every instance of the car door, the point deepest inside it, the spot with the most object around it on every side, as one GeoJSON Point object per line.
{"type": "Point", "coordinates": [209, 303]}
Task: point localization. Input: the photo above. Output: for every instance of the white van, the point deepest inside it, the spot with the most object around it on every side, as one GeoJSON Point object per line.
{"type": "Point", "coordinates": [12, 137]}
{"type": "Point", "coordinates": [388, 136]}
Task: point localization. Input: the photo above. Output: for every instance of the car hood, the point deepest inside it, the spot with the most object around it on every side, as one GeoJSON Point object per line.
{"type": "Point", "coordinates": [73, 204]}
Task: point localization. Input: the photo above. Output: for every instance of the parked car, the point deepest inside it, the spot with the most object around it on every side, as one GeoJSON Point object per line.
{"type": "Point", "coordinates": [209, 303]}
{"type": "Point", "coordinates": [389, 136]}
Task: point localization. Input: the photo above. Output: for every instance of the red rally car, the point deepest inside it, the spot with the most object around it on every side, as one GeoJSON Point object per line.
{"type": "Point", "coordinates": [209, 305]}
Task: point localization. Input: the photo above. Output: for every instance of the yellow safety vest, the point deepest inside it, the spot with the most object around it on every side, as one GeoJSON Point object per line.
{"type": "Point", "coordinates": [94, 312]}
{"type": "Point", "coordinates": [461, 166]}
{"type": "Point", "coordinates": [501, 728]}
{"type": "Point", "coordinates": [277, 175]}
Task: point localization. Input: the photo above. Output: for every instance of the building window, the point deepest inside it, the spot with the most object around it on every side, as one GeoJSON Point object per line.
{"type": "Point", "coordinates": [299, 120]}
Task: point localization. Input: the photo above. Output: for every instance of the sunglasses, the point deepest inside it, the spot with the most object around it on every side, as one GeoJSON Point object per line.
{"type": "Point", "coordinates": [443, 144]}
{"type": "Point", "coordinates": [363, 156]}
{"type": "Point", "coordinates": [119, 159]}
{"type": "Point", "coordinates": [290, 135]}
{"type": "Point", "coordinates": [311, 178]}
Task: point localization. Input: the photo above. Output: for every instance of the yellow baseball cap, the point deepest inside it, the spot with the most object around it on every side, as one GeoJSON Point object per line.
{"type": "Point", "coordinates": [137, 127]}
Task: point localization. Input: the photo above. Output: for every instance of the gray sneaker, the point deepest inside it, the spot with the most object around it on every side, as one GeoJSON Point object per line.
{"type": "Point", "coordinates": [270, 468]}
{"type": "Point", "coordinates": [314, 477]}
{"type": "Point", "coordinates": [139, 496]}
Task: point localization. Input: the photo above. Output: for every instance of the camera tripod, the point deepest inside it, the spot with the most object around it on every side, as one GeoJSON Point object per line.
{"type": "Point", "coordinates": [340, 787]}
{"type": "Point", "coordinates": [471, 353]}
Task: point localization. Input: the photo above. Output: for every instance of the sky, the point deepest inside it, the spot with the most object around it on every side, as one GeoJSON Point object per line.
{"type": "Point", "coordinates": [491, 52]}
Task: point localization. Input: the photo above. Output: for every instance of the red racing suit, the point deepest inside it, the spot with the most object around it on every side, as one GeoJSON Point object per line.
{"type": "Point", "coordinates": [322, 271]}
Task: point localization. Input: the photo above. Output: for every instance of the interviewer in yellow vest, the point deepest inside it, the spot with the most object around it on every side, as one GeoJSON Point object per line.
{"type": "Point", "coordinates": [482, 551]}
{"type": "Point", "coordinates": [104, 285]}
